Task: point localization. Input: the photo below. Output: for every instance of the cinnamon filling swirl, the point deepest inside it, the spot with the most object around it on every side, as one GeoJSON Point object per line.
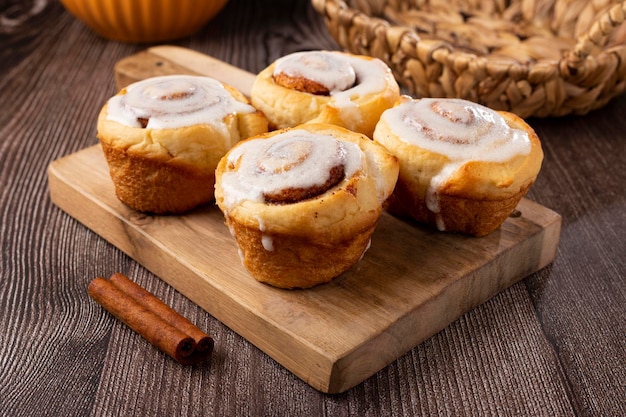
{"type": "Point", "coordinates": [282, 157]}
{"type": "Point", "coordinates": [293, 195]}
{"type": "Point", "coordinates": [289, 167]}
{"type": "Point", "coordinates": [316, 72]}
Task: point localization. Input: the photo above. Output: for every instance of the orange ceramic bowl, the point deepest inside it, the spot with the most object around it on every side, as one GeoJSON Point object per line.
{"type": "Point", "coordinates": [144, 20]}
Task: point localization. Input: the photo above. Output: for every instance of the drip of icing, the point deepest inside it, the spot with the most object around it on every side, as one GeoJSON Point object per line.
{"type": "Point", "coordinates": [292, 159]}
{"type": "Point", "coordinates": [268, 243]}
{"type": "Point", "coordinates": [174, 101]}
{"type": "Point", "coordinates": [461, 130]}
{"type": "Point", "coordinates": [266, 240]}
{"type": "Point", "coordinates": [369, 245]}
{"type": "Point", "coordinates": [261, 223]}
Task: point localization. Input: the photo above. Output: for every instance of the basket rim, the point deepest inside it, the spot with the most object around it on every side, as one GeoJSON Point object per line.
{"type": "Point", "coordinates": [594, 38]}
{"type": "Point", "coordinates": [584, 78]}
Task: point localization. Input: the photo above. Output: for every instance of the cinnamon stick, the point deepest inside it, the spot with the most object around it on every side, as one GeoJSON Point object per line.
{"type": "Point", "coordinates": [119, 297]}
{"type": "Point", "coordinates": [152, 303]}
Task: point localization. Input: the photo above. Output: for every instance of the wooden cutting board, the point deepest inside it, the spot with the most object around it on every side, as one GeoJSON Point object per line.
{"type": "Point", "coordinates": [411, 284]}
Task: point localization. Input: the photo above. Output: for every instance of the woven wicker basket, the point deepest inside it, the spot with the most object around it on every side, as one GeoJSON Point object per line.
{"type": "Point", "coordinates": [532, 57]}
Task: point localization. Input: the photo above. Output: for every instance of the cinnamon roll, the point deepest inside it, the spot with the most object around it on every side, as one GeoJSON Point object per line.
{"type": "Point", "coordinates": [163, 137]}
{"type": "Point", "coordinates": [463, 166]}
{"type": "Point", "coordinates": [302, 203]}
{"type": "Point", "coordinates": [332, 87]}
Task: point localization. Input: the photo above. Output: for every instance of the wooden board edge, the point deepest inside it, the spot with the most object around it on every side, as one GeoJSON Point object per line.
{"type": "Point", "coordinates": [339, 374]}
{"type": "Point", "coordinates": [365, 360]}
{"type": "Point", "coordinates": [65, 195]}
{"type": "Point", "coordinates": [170, 60]}
{"type": "Point", "coordinates": [333, 375]}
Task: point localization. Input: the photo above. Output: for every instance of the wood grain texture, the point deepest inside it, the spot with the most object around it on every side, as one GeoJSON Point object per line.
{"type": "Point", "coordinates": [552, 345]}
{"type": "Point", "coordinates": [169, 59]}
{"type": "Point", "coordinates": [411, 284]}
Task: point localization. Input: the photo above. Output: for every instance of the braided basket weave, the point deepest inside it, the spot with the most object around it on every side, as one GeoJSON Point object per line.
{"type": "Point", "coordinates": [532, 57]}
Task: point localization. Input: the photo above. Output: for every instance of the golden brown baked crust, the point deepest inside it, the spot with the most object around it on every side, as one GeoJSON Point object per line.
{"type": "Point", "coordinates": [476, 198]}
{"type": "Point", "coordinates": [298, 261]}
{"type": "Point", "coordinates": [312, 241]}
{"type": "Point", "coordinates": [290, 101]}
{"type": "Point", "coordinates": [157, 186]}
{"type": "Point", "coordinates": [476, 217]}
{"type": "Point", "coordinates": [171, 170]}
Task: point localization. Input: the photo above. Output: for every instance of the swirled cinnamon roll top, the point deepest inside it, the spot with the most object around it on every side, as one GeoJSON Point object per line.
{"type": "Point", "coordinates": [317, 72]}
{"type": "Point", "coordinates": [458, 129]}
{"type": "Point", "coordinates": [458, 149]}
{"type": "Point", "coordinates": [179, 117]}
{"type": "Point", "coordinates": [163, 137]}
{"type": "Point", "coordinates": [325, 87]}
{"type": "Point", "coordinates": [280, 161]}
{"type": "Point", "coordinates": [289, 167]}
{"type": "Point", "coordinates": [175, 101]}
{"type": "Point", "coordinates": [315, 174]}
{"type": "Point", "coordinates": [461, 147]}
{"type": "Point", "coordinates": [303, 203]}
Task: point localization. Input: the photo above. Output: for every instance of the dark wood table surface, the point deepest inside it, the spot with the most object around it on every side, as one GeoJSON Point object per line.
{"type": "Point", "coordinates": [552, 345]}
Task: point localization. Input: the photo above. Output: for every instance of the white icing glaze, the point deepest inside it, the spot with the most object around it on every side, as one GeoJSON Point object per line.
{"type": "Point", "coordinates": [174, 101]}
{"type": "Point", "coordinates": [267, 242]}
{"type": "Point", "coordinates": [461, 130]}
{"type": "Point", "coordinates": [369, 245]}
{"type": "Point", "coordinates": [347, 77]}
{"type": "Point", "coordinates": [261, 223]}
{"type": "Point", "coordinates": [292, 159]}
{"type": "Point", "coordinates": [322, 67]}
